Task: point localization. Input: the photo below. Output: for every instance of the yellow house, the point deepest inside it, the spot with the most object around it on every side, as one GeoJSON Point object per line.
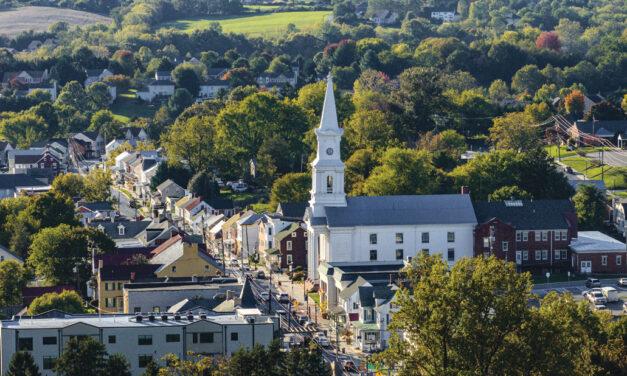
{"type": "Point", "coordinates": [181, 256]}
{"type": "Point", "coordinates": [110, 282]}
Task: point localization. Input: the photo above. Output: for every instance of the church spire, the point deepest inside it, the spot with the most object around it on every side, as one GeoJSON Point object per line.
{"type": "Point", "coordinates": [328, 121]}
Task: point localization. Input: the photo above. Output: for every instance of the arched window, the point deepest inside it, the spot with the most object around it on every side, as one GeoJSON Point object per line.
{"type": "Point", "coordinates": [329, 184]}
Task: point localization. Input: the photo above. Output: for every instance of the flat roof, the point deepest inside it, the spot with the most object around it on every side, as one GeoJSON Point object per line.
{"type": "Point", "coordinates": [596, 242]}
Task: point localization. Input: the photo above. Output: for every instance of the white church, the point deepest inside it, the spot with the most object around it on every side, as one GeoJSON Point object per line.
{"type": "Point", "coordinates": [373, 236]}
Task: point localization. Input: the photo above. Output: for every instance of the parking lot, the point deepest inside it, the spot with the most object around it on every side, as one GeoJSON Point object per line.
{"type": "Point", "coordinates": [577, 289]}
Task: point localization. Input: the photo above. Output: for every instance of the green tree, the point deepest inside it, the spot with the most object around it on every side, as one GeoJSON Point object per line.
{"type": "Point", "coordinates": [117, 365]}
{"type": "Point", "coordinates": [292, 187]}
{"type": "Point", "coordinates": [516, 131]}
{"type": "Point", "coordinates": [66, 301]}
{"type": "Point", "coordinates": [370, 129]}
{"type": "Point", "coordinates": [23, 129]}
{"type": "Point", "coordinates": [191, 140]}
{"type": "Point", "coordinates": [462, 319]}
{"type": "Point", "coordinates": [590, 206]}
{"type": "Point", "coordinates": [528, 79]}
{"type": "Point", "coordinates": [193, 365]}
{"type": "Point", "coordinates": [13, 278]}
{"type": "Point", "coordinates": [99, 96]}
{"type": "Point", "coordinates": [305, 362]}
{"type": "Point", "coordinates": [69, 184]}
{"type": "Point", "coordinates": [22, 364]}
{"type": "Point", "coordinates": [186, 77]}
{"type": "Point", "coordinates": [80, 354]}
{"type": "Point", "coordinates": [97, 185]}
{"type": "Point", "coordinates": [357, 169]}
{"type": "Point", "coordinates": [179, 101]}
{"type": "Point", "coordinates": [152, 369]}
{"type": "Point", "coordinates": [402, 172]}
{"type": "Point", "coordinates": [106, 124]}
{"type": "Point", "coordinates": [203, 184]}
{"type": "Point", "coordinates": [74, 95]}
{"type": "Point", "coordinates": [177, 173]}
{"type": "Point", "coordinates": [508, 193]}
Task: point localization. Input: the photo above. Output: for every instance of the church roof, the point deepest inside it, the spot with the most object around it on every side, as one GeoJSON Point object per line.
{"type": "Point", "coordinates": [328, 120]}
{"type": "Point", "coordinates": [402, 210]}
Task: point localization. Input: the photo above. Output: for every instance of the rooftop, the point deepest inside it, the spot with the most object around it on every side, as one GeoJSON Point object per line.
{"type": "Point", "coordinates": [527, 214]}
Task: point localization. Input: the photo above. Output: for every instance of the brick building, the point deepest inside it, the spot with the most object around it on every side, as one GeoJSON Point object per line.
{"type": "Point", "coordinates": [534, 234]}
{"type": "Point", "coordinates": [290, 247]}
{"type": "Point", "coordinates": [595, 252]}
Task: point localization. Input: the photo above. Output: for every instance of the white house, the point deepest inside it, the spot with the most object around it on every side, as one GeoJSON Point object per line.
{"type": "Point", "coordinates": [211, 87]}
{"type": "Point", "coordinates": [384, 17]}
{"type": "Point", "coordinates": [248, 233]}
{"type": "Point", "coordinates": [139, 338]}
{"type": "Point", "coordinates": [277, 79]}
{"type": "Point", "coordinates": [135, 134]}
{"type": "Point", "coordinates": [375, 229]}
{"type": "Point", "coordinates": [96, 75]}
{"type": "Point", "coordinates": [443, 16]}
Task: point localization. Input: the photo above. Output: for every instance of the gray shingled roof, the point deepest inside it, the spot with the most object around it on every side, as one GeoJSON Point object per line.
{"type": "Point", "coordinates": [527, 215]}
{"type": "Point", "coordinates": [402, 210]}
{"type": "Point", "coordinates": [131, 228]}
{"type": "Point", "coordinates": [11, 181]}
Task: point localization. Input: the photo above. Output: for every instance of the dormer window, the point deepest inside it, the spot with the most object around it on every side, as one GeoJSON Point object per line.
{"type": "Point", "coordinates": [329, 184]}
{"type": "Point", "coordinates": [121, 230]}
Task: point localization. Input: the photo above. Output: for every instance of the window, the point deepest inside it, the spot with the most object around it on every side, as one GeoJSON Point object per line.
{"type": "Point", "coordinates": [289, 259]}
{"type": "Point", "coordinates": [564, 254]}
{"type": "Point", "coordinates": [450, 254]}
{"type": "Point", "coordinates": [525, 255]}
{"type": "Point", "coordinates": [143, 360]}
{"type": "Point", "coordinates": [619, 260]}
{"type": "Point", "coordinates": [373, 255]}
{"type": "Point", "coordinates": [110, 302]}
{"type": "Point", "coordinates": [294, 234]}
{"type": "Point", "coordinates": [505, 246]}
{"type": "Point", "coordinates": [156, 309]}
{"type": "Point", "coordinates": [48, 362]}
{"type": "Point", "coordinates": [173, 337]}
{"type": "Point", "coordinates": [25, 344]}
{"type": "Point", "coordinates": [49, 340]}
{"type": "Point", "coordinates": [270, 244]}
{"type": "Point", "coordinates": [329, 184]}
{"type": "Point", "coordinates": [450, 237]}
{"type": "Point", "coordinates": [399, 238]}
{"type": "Point", "coordinates": [486, 242]}
{"type": "Point", "coordinates": [564, 234]}
{"type": "Point", "coordinates": [234, 336]}
{"type": "Point", "coordinates": [144, 340]}
{"type": "Point", "coordinates": [174, 269]}
{"type": "Point", "coordinates": [399, 254]}
{"type": "Point", "coordinates": [556, 254]}
{"type": "Point", "coordinates": [556, 235]}
{"type": "Point", "coordinates": [604, 260]}
{"type": "Point", "coordinates": [373, 238]}
{"type": "Point", "coordinates": [106, 286]}
{"type": "Point", "coordinates": [537, 235]}
{"type": "Point", "coordinates": [545, 255]}
{"type": "Point", "coordinates": [518, 236]}
{"type": "Point", "coordinates": [425, 237]}
{"type": "Point", "coordinates": [120, 286]}
{"type": "Point", "coordinates": [112, 339]}
{"type": "Point", "coordinates": [288, 245]}
{"type": "Point", "coordinates": [206, 337]}
{"type": "Point", "coordinates": [269, 230]}
{"type": "Point", "coordinates": [425, 251]}
{"type": "Point", "coordinates": [538, 255]}
{"type": "Point", "coordinates": [545, 236]}
{"type": "Point", "coordinates": [137, 309]}
{"type": "Point", "coordinates": [525, 236]}
{"type": "Point", "coordinates": [194, 337]}
{"type": "Point", "coordinates": [121, 230]}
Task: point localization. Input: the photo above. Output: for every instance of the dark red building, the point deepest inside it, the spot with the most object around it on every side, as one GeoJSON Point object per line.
{"type": "Point", "coordinates": [535, 234]}
{"type": "Point", "coordinates": [291, 247]}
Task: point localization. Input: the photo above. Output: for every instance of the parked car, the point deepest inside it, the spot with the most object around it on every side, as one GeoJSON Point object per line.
{"type": "Point", "coordinates": [293, 340]}
{"type": "Point", "coordinates": [302, 320]}
{"type": "Point", "coordinates": [310, 325]}
{"type": "Point", "coordinates": [625, 307]}
{"type": "Point", "coordinates": [239, 187]}
{"type": "Point", "coordinates": [600, 307]}
{"type": "Point", "coordinates": [622, 282]}
{"type": "Point", "coordinates": [264, 295]}
{"type": "Point", "coordinates": [569, 170]}
{"type": "Point", "coordinates": [322, 339]}
{"type": "Point", "coordinates": [234, 262]}
{"type": "Point", "coordinates": [597, 297]}
{"type": "Point", "coordinates": [220, 183]}
{"type": "Point", "coordinates": [283, 298]}
{"type": "Point", "coordinates": [610, 293]}
{"type": "Point", "coordinates": [593, 282]}
{"type": "Point", "coordinates": [260, 274]}
{"type": "Point", "coordinates": [281, 312]}
{"type": "Point", "coordinates": [349, 365]}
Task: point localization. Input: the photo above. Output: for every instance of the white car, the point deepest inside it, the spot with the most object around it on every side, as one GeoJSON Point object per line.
{"type": "Point", "coordinates": [239, 187]}
{"type": "Point", "coordinates": [597, 297]}
{"type": "Point", "coordinates": [622, 282]}
{"type": "Point", "coordinates": [600, 307]}
{"type": "Point", "coordinates": [264, 295]}
{"type": "Point", "coordinates": [322, 339]}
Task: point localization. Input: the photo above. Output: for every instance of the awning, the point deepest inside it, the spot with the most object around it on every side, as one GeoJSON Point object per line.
{"type": "Point", "coordinates": [368, 327]}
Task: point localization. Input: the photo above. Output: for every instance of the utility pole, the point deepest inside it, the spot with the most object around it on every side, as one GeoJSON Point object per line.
{"type": "Point", "coordinates": [270, 291]}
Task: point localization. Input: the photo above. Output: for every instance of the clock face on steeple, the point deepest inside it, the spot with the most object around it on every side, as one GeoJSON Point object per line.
{"type": "Point", "coordinates": [329, 151]}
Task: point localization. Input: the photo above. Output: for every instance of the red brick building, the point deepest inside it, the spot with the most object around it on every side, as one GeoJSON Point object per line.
{"type": "Point", "coordinates": [534, 234]}
{"type": "Point", "coordinates": [595, 252]}
{"type": "Point", "coordinates": [290, 247]}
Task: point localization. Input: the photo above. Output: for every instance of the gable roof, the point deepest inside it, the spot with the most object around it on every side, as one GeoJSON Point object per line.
{"type": "Point", "coordinates": [220, 203]}
{"type": "Point", "coordinates": [602, 128]}
{"type": "Point", "coordinates": [96, 206]}
{"type": "Point", "coordinates": [525, 214]}
{"type": "Point", "coordinates": [250, 220]}
{"type": "Point", "coordinates": [246, 297]}
{"type": "Point", "coordinates": [131, 228]}
{"type": "Point", "coordinates": [165, 245]}
{"type": "Point", "coordinates": [402, 210]}
{"type": "Point", "coordinates": [287, 231]}
{"type": "Point", "coordinates": [295, 210]}
{"type": "Point", "coordinates": [127, 272]}
{"type": "Point", "coordinates": [12, 181]}
{"type": "Point", "coordinates": [135, 131]}
{"type": "Point", "coordinates": [167, 184]}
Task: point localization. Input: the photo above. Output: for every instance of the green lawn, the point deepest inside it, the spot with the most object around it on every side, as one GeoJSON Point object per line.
{"type": "Point", "coordinates": [126, 107]}
{"type": "Point", "coordinates": [614, 177]}
{"type": "Point", "coordinates": [268, 25]}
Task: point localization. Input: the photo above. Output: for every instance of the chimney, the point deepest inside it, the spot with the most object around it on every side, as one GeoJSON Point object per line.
{"type": "Point", "coordinates": [155, 216]}
{"type": "Point", "coordinates": [100, 263]}
{"type": "Point", "coordinates": [465, 190]}
{"type": "Point", "coordinates": [132, 276]}
{"type": "Point", "coordinates": [112, 218]}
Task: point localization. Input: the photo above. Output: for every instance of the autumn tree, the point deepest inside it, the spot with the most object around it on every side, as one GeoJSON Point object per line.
{"type": "Point", "coordinates": [574, 102]}
{"type": "Point", "coordinates": [515, 131]}
{"type": "Point", "coordinates": [549, 40]}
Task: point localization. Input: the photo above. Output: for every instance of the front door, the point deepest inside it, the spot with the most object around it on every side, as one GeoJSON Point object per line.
{"type": "Point", "coordinates": [518, 257]}
{"type": "Point", "coordinates": [586, 267]}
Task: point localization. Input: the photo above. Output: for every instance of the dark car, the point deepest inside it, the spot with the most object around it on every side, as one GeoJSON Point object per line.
{"type": "Point", "coordinates": [593, 282]}
{"type": "Point", "coordinates": [261, 274]}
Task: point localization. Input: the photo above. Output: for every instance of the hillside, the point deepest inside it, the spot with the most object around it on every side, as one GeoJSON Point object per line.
{"type": "Point", "coordinates": [15, 21]}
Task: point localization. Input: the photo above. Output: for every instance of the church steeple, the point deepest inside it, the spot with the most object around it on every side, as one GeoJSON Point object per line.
{"type": "Point", "coordinates": [328, 169]}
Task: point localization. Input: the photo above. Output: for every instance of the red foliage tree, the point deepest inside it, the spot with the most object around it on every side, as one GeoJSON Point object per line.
{"type": "Point", "coordinates": [549, 40]}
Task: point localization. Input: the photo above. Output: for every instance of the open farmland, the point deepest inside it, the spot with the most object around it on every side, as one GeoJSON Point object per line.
{"type": "Point", "coordinates": [267, 25]}
{"type": "Point", "coordinates": [15, 21]}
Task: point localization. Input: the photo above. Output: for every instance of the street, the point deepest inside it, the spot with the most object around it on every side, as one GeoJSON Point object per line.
{"type": "Point", "coordinates": [124, 207]}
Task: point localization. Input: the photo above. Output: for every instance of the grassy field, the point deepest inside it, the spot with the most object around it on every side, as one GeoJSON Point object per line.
{"type": "Point", "coordinates": [614, 177]}
{"type": "Point", "coordinates": [267, 25]}
{"type": "Point", "coordinates": [15, 21]}
{"type": "Point", "coordinates": [125, 108]}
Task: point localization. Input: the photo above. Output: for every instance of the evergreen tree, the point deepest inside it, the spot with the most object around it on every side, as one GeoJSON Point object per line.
{"type": "Point", "coordinates": [80, 355]}
{"type": "Point", "coordinates": [22, 364]}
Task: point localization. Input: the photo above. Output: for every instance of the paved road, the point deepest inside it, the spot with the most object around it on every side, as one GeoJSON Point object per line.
{"type": "Point", "coordinates": [576, 288]}
{"type": "Point", "coordinates": [124, 207]}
